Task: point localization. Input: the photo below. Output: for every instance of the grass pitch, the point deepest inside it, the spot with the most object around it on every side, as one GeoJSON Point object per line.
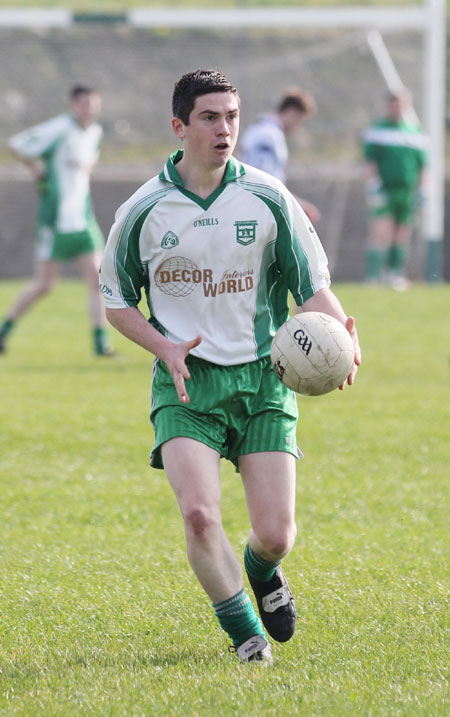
{"type": "Point", "coordinates": [100, 613]}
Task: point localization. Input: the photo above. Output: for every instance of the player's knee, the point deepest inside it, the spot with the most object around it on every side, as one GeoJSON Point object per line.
{"type": "Point", "coordinates": [278, 540]}
{"type": "Point", "coordinates": [201, 521]}
{"type": "Point", "coordinates": [45, 287]}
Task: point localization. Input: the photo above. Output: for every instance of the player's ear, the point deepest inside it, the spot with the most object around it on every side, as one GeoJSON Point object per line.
{"type": "Point", "coordinates": [178, 127]}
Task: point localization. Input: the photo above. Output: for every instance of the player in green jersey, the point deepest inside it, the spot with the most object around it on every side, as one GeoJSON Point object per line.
{"type": "Point", "coordinates": [60, 154]}
{"type": "Point", "coordinates": [394, 148]}
{"type": "Point", "coordinates": [215, 246]}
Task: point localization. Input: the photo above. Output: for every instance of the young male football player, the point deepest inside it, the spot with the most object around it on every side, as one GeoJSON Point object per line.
{"type": "Point", "coordinates": [216, 246]}
{"type": "Point", "coordinates": [394, 148]}
{"type": "Point", "coordinates": [60, 154]}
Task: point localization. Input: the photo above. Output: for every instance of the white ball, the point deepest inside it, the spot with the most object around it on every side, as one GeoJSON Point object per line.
{"type": "Point", "coordinates": [312, 353]}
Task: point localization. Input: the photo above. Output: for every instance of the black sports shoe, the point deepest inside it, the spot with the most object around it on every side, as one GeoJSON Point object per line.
{"type": "Point", "coordinates": [2, 345]}
{"type": "Point", "coordinates": [255, 649]}
{"type": "Point", "coordinates": [276, 606]}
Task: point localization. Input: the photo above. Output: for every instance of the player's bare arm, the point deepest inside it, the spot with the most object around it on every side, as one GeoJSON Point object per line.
{"type": "Point", "coordinates": [35, 166]}
{"type": "Point", "coordinates": [132, 323]}
{"type": "Point", "coordinates": [310, 209]}
{"type": "Point", "coordinates": [325, 300]}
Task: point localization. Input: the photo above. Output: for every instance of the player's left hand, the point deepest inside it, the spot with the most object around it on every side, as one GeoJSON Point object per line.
{"type": "Point", "coordinates": [351, 328]}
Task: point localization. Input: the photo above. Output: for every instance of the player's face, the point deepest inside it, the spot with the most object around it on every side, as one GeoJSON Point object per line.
{"type": "Point", "coordinates": [397, 108]}
{"type": "Point", "coordinates": [292, 120]}
{"type": "Point", "coordinates": [211, 135]}
{"type": "Point", "coordinates": [86, 107]}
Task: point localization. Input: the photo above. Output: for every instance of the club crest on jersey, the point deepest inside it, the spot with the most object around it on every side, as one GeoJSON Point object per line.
{"type": "Point", "coordinates": [246, 231]}
{"type": "Point", "coordinates": [169, 240]}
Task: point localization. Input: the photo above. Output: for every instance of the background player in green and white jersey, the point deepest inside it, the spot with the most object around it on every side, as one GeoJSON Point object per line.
{"type": "Point", "coordinates": [216, 246]}
{"type": "Point", "coordinates": [394, 148]}
{"type": "Point", "coordinates": [60, 154]}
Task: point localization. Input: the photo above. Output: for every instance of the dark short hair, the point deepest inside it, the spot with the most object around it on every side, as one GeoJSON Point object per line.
{"type": "Point", "coordinates": [193, 85]}
{"type": "Point", "coordinates": [78, 90]}
{"type": "Point", "coordinates": [299, 100]}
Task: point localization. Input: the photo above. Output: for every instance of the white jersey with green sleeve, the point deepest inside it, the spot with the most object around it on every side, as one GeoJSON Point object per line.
{"type": "Point", "coordinates": [219, 267]}
{"type": "Point", "coordinates": [69, 152]}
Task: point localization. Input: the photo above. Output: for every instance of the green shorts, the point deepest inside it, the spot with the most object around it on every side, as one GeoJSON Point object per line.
{"type": "Point", "coordinates": [235, 410]}
{"type": "Point", "coordinates": [399, 204]}
{"type": "Point", "coordinates": [55, 246]}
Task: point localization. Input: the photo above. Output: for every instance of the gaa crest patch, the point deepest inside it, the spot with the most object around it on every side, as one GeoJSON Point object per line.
{"type": "Point", "coordinates": [246, 231]}
{"type": "Point", "coordinates": [169, 240]}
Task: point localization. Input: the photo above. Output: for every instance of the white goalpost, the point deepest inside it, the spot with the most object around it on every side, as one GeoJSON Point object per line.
{"type": "Point", "coordinates": [386, 66]}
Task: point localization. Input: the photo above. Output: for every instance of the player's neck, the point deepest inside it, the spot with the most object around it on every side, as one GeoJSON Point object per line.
{"type": "Point", "coordinates": [81, 122]}
{"type": "Point", "coordinates": [199, 180]}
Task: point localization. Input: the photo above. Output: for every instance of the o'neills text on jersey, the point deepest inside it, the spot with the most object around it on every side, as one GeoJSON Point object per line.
{"type": "Point", "coordinates": [208, 222]}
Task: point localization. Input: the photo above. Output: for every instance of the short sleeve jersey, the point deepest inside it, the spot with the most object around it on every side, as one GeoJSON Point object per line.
{"type": "Point", "coordinates": [264, 146]}
{"type": "Point", "coordinates": [220, 267]}
{"type": "Point", "coordinates": [69, 151]}
{"type": "Point", "coordinates": [398, 150]}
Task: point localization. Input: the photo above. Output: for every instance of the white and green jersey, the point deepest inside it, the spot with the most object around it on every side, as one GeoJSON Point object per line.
{"type": "Point", "coordinates": [220, 267]}
{"type": "Point", "coordinates": [399, 149]}
{"type": "Point", "coordinates": [69, 152]}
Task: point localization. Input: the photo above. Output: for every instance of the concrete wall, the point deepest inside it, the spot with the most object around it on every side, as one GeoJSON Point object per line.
{"type": "Point", "coordinates": [339, 195]}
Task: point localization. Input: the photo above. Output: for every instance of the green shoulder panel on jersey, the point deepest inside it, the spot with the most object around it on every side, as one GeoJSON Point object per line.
{"type": "Point", "coordinates": [131, 274]}
{"type": "Point", "coordinates": [284, 264]}
{"type": "Point", "coordinates": [292, 260]}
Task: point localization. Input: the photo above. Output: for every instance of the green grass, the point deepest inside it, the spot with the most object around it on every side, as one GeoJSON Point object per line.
{"type": "Point", "coordinates": [100, 614]}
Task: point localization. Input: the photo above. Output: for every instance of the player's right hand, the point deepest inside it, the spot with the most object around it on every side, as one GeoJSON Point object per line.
{"type": "Point", "coordinates": [177, 366]}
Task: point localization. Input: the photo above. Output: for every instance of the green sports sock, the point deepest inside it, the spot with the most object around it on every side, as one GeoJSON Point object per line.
{"type": "Point", "coordinates": [258, 568]}
{"type": "Point", "coordinates": [375, 262]}
{"type": "Point", "coordinates": [238, 618]}
{"type": "Point", "coordinates": [397, 258]}
{"type": "Point", "coordinates": [5, 328]}
{"type": "Point", "coordinates": [100, 339]}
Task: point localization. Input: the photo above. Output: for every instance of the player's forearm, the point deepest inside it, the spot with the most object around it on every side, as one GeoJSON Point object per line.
{"type": "Point", "coordinates": [327, 302]}
{"type": "Point", "coordinates": [371, 171]}
{"type": "Point", "coordinates": [309, 208]}
{"type": "Point", "coordinates": [34, 166]}
{"type": "Point", "coordinates": [132, 324]}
